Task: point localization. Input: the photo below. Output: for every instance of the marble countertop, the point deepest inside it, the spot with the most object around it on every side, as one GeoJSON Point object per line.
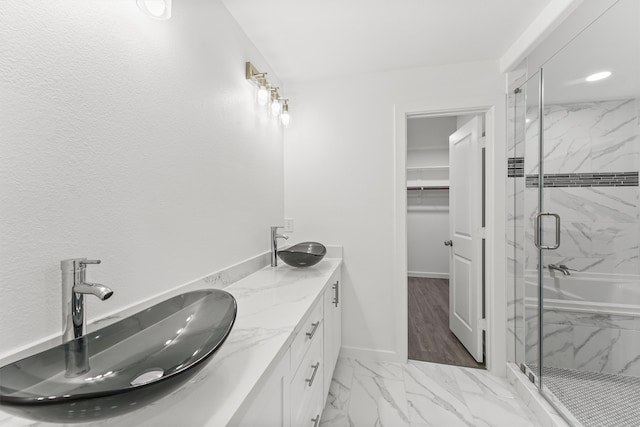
{"type": "Point", "coordinates": [272, 303]}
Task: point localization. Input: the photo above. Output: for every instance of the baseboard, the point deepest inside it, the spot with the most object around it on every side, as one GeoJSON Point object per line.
{"type": "Point", "coordinates": [369, 354]}
{"type": "Point", "coordinates": [428, 274]}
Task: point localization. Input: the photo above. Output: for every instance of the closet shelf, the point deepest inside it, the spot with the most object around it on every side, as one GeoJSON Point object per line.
{"type": "Point", "coordinates": [431, 175]}
{"type": "Point", "coordinates": [417, 168]}
{"type": "Point", "coordinates": [427, 188]}
{"type": "Point", "coordinates": [428, 185]}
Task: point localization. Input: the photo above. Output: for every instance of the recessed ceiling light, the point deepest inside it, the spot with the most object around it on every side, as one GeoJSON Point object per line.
{"type": "Point", "coordinates": [156, 9]}
{"type": "Point", "coordinates": [598, 76]}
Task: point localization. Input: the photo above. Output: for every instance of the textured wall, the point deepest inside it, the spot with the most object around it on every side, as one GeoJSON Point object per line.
{"type": "Point", "coordinates": [131, 140]}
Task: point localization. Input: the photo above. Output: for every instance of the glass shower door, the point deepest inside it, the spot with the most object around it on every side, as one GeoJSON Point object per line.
{"type": "Point", "coordinates": [589, 312]}
{"type": "Point", "coordinates": [527, 205]}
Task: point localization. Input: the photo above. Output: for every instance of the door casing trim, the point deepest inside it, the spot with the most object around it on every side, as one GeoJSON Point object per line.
{"type": "Point", "coordinates": [495, 295]}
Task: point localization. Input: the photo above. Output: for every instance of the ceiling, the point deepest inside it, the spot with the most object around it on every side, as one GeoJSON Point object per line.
{"type": "Point", "coordinates": [308, 41]}
{"type": "Point", "coordinates": [611, 43]}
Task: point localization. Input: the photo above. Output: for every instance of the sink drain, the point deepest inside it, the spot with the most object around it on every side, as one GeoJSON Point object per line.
{"type": "Point", "coordinates": [148, 376]}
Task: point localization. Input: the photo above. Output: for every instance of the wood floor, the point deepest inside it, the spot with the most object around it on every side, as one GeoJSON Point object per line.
{"type": "Point", "coordinates": [430, 339]}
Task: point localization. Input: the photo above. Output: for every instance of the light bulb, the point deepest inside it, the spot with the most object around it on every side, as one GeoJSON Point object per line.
{"type": "Point", "coordinates": [263, 95]}
{"type": "Point", "coordinates": [285, 118]}
{"type": "Point", "coordinates": [276, 107]}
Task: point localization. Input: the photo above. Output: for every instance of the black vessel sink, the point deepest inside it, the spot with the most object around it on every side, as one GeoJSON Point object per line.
{"type": "Point", "coordinates": [123, 366]}
{"type": "Point", "coordinates": [303, 254]}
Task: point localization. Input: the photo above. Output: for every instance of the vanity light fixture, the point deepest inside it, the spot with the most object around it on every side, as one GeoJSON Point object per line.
{"type": "Point", "coordinates": [276, 106]}
{"type": "Point", "coordinates": [156, 9]}
{"type": "Point", "coordinates": [285, 118]}
{"type": "Point", "coordinates": [268, 94]}
{"type": "Point", "coordinates": [263, 93]}
{"type": "Point", "coordinates": [598, 76]}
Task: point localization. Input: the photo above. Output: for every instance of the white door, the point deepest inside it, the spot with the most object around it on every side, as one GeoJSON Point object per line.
{"type": "Point", "coordinates": [465, 222]}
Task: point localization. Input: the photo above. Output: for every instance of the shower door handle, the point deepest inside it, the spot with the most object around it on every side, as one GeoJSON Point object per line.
{"type": "Point", "coordinates": [538, 230]}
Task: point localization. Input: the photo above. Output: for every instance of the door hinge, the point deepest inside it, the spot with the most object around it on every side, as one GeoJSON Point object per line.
{"type": "Point", "coordinates": [529, 375]}
{"type": "Point", "coordinates": [482, 324]}
{"type": "Point", "coordinates": [483, 141]}
{"type": "Point", "coordinates": [482, 233]}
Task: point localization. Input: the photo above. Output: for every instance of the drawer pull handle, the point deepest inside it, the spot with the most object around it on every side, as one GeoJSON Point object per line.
{"type": "Point", "coordinates": [313, 375]}
{"type": "Point", "coordinates": [315, 420]}
{"type": "Point", "coordinates": [311, 333]}
{"type": "Point", "coordinates": [336, 298]}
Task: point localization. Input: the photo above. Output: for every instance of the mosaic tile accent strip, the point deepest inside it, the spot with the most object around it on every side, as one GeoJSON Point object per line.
{"type": "Point", "coordinates": [515, 167]}
{"type": "Point", "coordinates": [605, 179]}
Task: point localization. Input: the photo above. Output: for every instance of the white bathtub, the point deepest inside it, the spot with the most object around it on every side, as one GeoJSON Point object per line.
{"type": "Point", "coordinates": [580, 292]}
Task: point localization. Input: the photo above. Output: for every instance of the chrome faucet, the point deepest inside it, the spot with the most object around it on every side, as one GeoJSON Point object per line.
{"type": "Point", "coordinates": [562, 268]}
{"type": "Point", "coordinates": [74, 288]}
{"type": "Point", "coordinates": [274, 245]}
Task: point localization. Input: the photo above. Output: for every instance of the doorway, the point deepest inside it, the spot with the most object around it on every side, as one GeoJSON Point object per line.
{"type": "Point", "coordinates": [445, 241]}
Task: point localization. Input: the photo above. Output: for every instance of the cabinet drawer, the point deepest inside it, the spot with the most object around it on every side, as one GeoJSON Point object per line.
{"type": "Point", "coordinates": [315, 410]}
{"type": "Point", "coordinates": [308, 334]}
{"type": "Point", "coordinates": [307, 384]}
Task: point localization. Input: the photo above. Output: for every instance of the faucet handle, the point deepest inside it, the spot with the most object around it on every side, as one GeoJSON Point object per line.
{"type": "Point", "coordinates": [74, 264]}
{"type": "Point", "coordinates": [275, 234]}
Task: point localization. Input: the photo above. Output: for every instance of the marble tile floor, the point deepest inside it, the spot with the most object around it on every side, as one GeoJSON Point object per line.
{"type": "Point", "coordinates": [418, 394]}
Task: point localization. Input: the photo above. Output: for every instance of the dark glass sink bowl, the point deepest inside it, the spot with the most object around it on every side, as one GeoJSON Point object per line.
{"type": "Point", "coordinates": [123, 366]}
{"type": "Point", "coordinates": [303, 254]}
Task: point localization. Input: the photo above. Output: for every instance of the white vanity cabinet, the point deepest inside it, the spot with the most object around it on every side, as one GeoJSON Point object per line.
{"type": "Point", "coordinates": [307, 367]}
{"type": "Point", "coordinates": [310, 332]}
{"type": "Point", "coordinates": [307, 385]}
{"type": "Point", "coordinates": [294, 394]}
{"type": "Point", "coordinates": [271, 406]}
{"type": "Point", "coordinates": [332, 329]}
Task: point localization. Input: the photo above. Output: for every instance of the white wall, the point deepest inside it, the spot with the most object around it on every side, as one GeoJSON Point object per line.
{"type": "Point", "coordinates": [130, 140]}
{"type": "Point", "coordinates": [428, 210]}
{"type": "Point", "coordinates": [427, 229]}
{"type": "Point", "coordinates": [339, 178]}
{"type": "Point", "coordinates": [463, 120]}
{"type": "Point", "coordinates": [430, 132]}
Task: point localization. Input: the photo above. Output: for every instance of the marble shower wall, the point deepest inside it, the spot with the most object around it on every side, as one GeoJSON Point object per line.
{"type": "Point", "coordinates": [588, 137]}
{"type": "Point", "coordinates": [595, 342]}
{"type": "Point", "coordinates": [600, 224]}
{"type": "Point", "coordinates": [599, 234]}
